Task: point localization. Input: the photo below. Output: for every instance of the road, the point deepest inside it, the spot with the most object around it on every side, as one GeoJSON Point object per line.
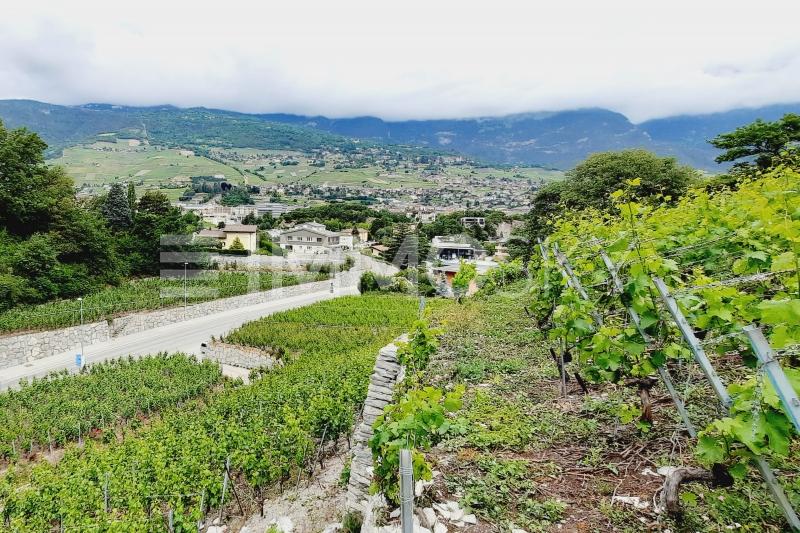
{"type": "Point", "coordinates": [178, 337]}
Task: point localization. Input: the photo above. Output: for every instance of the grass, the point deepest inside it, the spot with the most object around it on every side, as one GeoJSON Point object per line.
{"type": "Point", "coordinates": [536, 460]}
{"type": "Point", "coordinates": [147, 166]}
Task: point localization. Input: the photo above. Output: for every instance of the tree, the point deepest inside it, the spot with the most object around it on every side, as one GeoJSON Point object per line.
{"type": "Point", "coordinates": [404, 249]}
{"type": "Point", "coordinates": [155, 203]}
{"type": "Point", "coordinates": [236, 245]}
{"type": "Point", "coordinates": [759, 142]}
{"type": "Point", "coordinates": [592, 181]}
{"type": "Point", "coordinates": [131, 196]}
{"type": "Point", "coordinates": [466, 273]}
{"type": "Point", "coordinates": [117, 208]}
{"type": "Point", "coordinates": [31, 193]}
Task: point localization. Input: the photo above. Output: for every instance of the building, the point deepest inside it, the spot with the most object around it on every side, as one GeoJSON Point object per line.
{"type": "Point", "coordinates": [247, 235]}
{"type": "Point", "coordinates": [377, 249]}
{"type": "Point", "coordinates": [310, 238]}
{"type": "Point", "coordinates": [273, 208]}
{"type": "Point", "coordinates": [346, 239]}
{"type": "Point", "coordinates": [455, 247]}
{"type": "Point", "coordinates": [473, 221]}
{"type": "Point", "coordinates": [363, 235]}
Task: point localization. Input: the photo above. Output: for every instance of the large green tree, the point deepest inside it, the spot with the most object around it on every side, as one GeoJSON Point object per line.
{"type": "Point", "coordinates": [758, 142]}
{"type": "Point", "coordinates": [31, 193]}
{"type": "Point", "coordinates": [592, 181]}
{"type": "Point", "coordinates": [590, 184]}
{"type": "Point", "coordinates": [117, 208]}
{"type": "Point", "coordinates": [51, 245]}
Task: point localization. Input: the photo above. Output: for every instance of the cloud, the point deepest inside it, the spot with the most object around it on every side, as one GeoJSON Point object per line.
{"type": "Point", "coordinates": [411, 59]}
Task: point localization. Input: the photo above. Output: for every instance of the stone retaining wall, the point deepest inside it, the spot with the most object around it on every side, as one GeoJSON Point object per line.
{"type": "Point", "coordinates": [385, 375]}
{"type": "Point", "coordinates": [241, 356]}
{"type": "Point", "coordinates": [19, 349]}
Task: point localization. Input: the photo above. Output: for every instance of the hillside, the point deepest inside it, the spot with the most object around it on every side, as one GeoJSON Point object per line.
{"type": "Point", "coordinates": [63, 126]}
{"type": "Point", "coordinates": [558, 139]}
{"type": "Point", "coordinates": [555, 140]}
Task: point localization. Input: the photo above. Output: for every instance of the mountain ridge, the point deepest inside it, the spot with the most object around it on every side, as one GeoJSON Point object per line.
{"type": "Point", "coordinates": [553, 139]}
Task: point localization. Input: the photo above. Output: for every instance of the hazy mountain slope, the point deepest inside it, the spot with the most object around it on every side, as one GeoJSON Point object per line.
{"type": "Point", "coordinates": [553, 139]}
{"type": "Point", "coordinates": [62, 126]}
{"type": "Point", "coordinates": [558, 139]}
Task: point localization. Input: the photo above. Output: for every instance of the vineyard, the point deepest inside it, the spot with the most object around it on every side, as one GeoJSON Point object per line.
{"type": "Point", "coordinates": [148, 294]}
{"type": "Point", "coordinates": [174, 469]}
{"type": "Point", "coordinates": [669, 290]}
{"type": "Point", "coordinates": [61, 408]}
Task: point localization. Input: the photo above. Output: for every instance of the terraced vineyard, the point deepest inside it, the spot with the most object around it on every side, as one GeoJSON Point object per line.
{"type": "Point", "coordinates": [267, 430]}
{"type": "Point", "coordinates": [62, 408]}
{"type": "Point", "coordinates": [729, 259]}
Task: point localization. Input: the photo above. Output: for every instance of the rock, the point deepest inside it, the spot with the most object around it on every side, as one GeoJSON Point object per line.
{"type": "Point", "coordinates": [217, 529]}
{"type": "Point", "coordinates": [442, 509]}
{"type": "Point", "coordinates": [457, 515]}
{"type": "Point", "coordinates": [470, 519]}
{"type": "Point", "coordinates": [420, 529]}
{"type": "Point", "coordinates": [395, 513]}
{"type": "Point", "coordinates": [418, 488]}
{"type": "Point", "coordinates": [517, 530]}
{"type": "Point", "coordinates": [634, 501]}
{"type": "Point", "coordinates": [438, 527]}
{"type": "Point", "coordinates": [331, 528]}
{"type": "Point", "coordinates": [283, 524]}
{"type": "Point", "coordinates": [427, 517]}
{"type": "Point", "coordinates": [452, 506]}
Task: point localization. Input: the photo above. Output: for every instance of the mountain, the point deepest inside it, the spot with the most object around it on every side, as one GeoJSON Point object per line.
{"type": "Point", "coordinates": [549, 139]}
{"type": "Point", "coordinates": [557, 139]}
{"type": "Point", "coordinates": [62, 126]}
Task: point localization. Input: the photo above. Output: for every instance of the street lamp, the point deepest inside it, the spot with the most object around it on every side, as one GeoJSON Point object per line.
{"type": "Point", "coordinates": [83, 358]}
{"type": "Point", "coordinates": [184, 289]}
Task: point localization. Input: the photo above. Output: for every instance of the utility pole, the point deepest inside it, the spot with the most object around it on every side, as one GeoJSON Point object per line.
{"type": "Point", "coordinates": [185, 265]}
{"type": "Point", "coordinates": [83, 357]}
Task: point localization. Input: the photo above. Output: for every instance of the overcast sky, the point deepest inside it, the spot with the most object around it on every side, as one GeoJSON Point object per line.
{"type": "Point", "coordinates": [406, 58]}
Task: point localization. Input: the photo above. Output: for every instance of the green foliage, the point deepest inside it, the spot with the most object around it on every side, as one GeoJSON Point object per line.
{"type": "Point", "coordinates": [506, 493]}
{"type": "Point", "coordinates": [236, 245]}
{"type": "Point", "coordinates": [505, 273]}
{"type": "Point", "coordinates": [137, 295]}
{"type": "Point", "coordinates": [270, 429]}
{"type": "Point", "coordinates": [416, 353]}
{"type": "Point", "coordinates": [60, 407]}
{"type": "Point", "coordinates": [694, 245]}
{"type": "Point", "coordinates": [117, 208]}
{"type": "Point", "coordinates": [466, 273]}
{"type": "Point", "coordinates": [418, 421]}
{"type": "Point", "coordinates": [591, 182]}
{"type": "Point", "coordinates": [236, 196]}
{"type": "Point", "coordinates": [341, 215]}
{"type": "Point", "coordinates": [759, 142]}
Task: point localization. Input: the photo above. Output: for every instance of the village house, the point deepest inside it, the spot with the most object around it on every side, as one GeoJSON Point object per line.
{"type": "Point", "coordinates": [247, 235]}
{"type": "Point", "coordinates": [451, 248]}
{"type": "Point", "coordinates": [310, 238]}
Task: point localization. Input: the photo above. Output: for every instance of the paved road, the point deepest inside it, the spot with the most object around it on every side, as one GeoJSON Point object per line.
{"type": "Point", "coordinates": [179, 337]}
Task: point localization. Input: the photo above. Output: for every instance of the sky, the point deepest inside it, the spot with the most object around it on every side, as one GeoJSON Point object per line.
{"type": "Point", "coordinates": [406, 59]}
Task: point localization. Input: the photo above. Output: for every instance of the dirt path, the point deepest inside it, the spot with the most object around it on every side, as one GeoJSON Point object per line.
{"type": "Point", "coordinates": [317, 503]}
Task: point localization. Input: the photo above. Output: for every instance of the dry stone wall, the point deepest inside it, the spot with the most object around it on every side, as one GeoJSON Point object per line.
{"type": "Point", "coordinates": [385, 375]}
{"type": "Point", "coordinates": [241, 356]}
